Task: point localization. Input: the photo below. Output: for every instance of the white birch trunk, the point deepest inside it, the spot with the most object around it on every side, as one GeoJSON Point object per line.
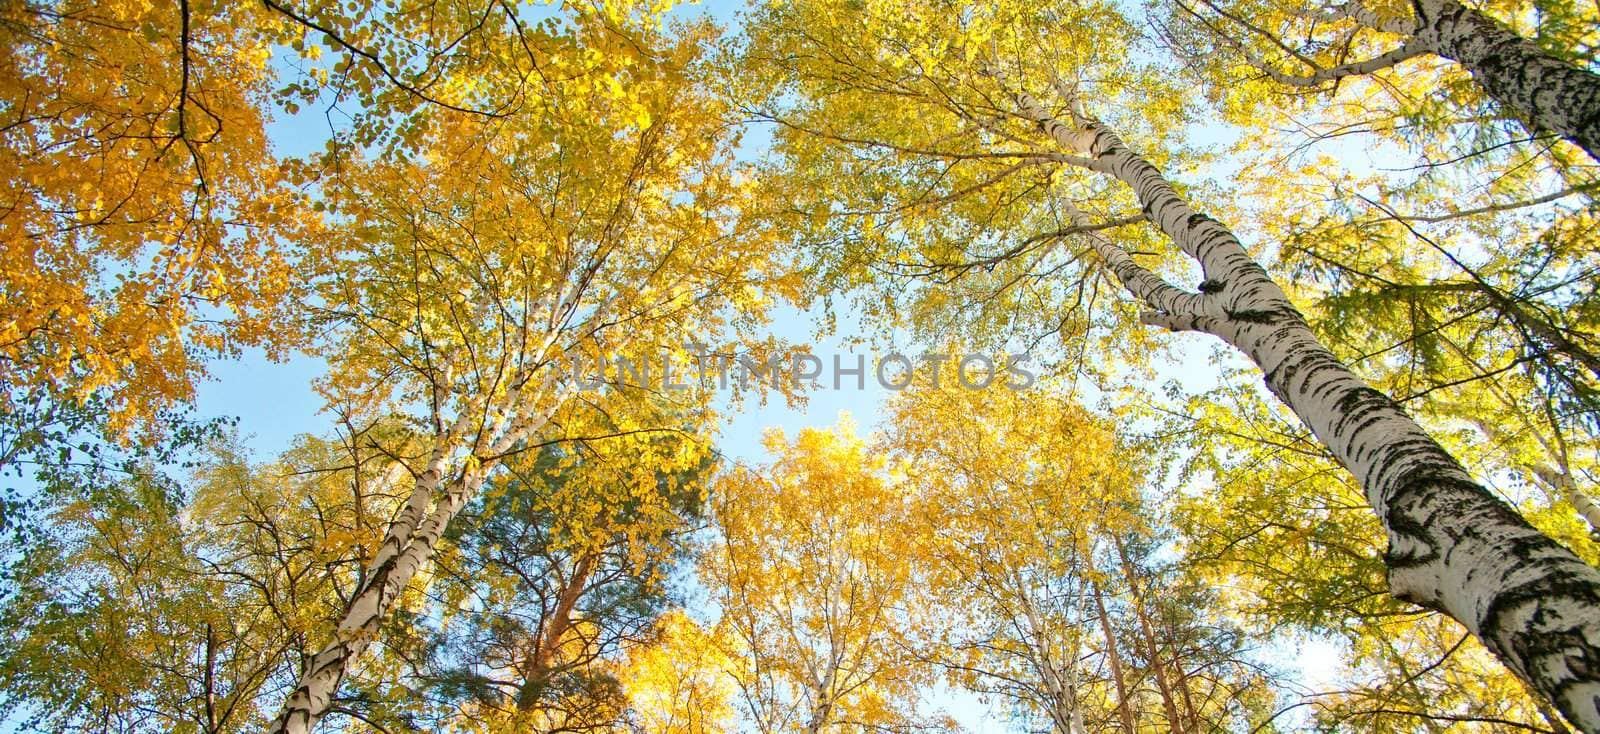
{"type": "Point", "coordinates": [1453, 546]}
{"type": "Point", "coordinates": [1585, 507]}
{"type": "Point", "coordinates": [1562, 482]}
{"type": "Point", "coordinates": [1548, 93]}
{"type": "Point", "coordinates": [387, 578]}
{"type": "Point", "coordinates": [408, 546]}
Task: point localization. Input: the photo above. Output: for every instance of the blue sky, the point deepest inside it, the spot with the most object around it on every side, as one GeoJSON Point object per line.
{"type": "Point", "coordinates": [274, 401]}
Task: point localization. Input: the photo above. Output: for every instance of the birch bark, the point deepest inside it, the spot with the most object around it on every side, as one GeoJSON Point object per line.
{"type": "Point", "coordinates": [1547, 92]}
{"type": "Point", "coordinates": [1453, 547]}
{"type": "Point", "coordinates": [408, 546]}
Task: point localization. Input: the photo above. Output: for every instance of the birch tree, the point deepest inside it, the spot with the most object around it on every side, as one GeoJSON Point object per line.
{"type": "Point", "coordinates": [1452, 545]}
{"type": "Point", "coordinates": [1545, 80]}
{"type": "Point", "coordinates": [1455, 264]}
{"type": "Point", "coordinates": [1287, 530]}
{"type": "Point", "coordinates": [164, 602]}
{"type": "Point", "coordinates": [555, 575]}
{"type": "Point", "coordinates": [959, 90]}
{"type": "Point", "coordinates": [472, 271]}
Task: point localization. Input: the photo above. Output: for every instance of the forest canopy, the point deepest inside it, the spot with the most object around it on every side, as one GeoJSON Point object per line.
{"type": "Point", "coordinates": [1206, 366]}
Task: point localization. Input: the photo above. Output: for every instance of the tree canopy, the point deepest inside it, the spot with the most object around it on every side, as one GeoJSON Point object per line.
{"type": "Point", "coordinates": [1234, 365]}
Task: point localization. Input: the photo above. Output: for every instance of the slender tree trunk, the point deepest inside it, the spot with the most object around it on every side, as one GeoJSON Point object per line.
{"type": "Point", "coordinates": [1585, 507]}
{"type": "Point", "coordinates": [392, 569]}
{"type": "Point", "coordinates": [1075, 721]}
{"type": "Point", "coordinates": [1541, 327]}
{"type": "Point", "coordinates": [1169, 703]}
{"type": "Point", "coordinates": [818, 720]}
{"type": "Point", "coordinates": [1114, 661]}
{"type": "Point", "coordinates": [210, 680]}
{"type": "Point", "coordinates": [1078, 725]}
{"type": "Point", "coordinates": [1547, 92]}
{"type": "Point", "coordinates": [1060, 688]}
{"type": "Point", "coordinates": [1453, 546]}
{"type": "Point", "coordinates": [1562, 482]}
{"type": "Point", "coordinates": [1191, 721]}
{"type": "Point", "coordinates": [822, 711]}
{"type": "Point", "coordinates": [407, 546]}
{"type": "Point", "coordinates": [537, 679]}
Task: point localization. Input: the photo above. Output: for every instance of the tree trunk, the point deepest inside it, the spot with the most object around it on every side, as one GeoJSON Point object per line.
{"type": "Point", "coordinates": [407, 546]}
{"type": "Point", "coordinates": [538, 676]}
{"type": "Point", "coordinates": [1169, 703]}
{"type": "Point", "coordinates": [402, 554]}
{"type": "Point", "coordinates": [210, 681]}
{"type": "Point", "coordinates": [1114, 661]}
{"type": "Point", "coordinates": [1453, 547]}
{"type": "Point", "coordinates": [1191, 721]}
{"type": "Point", "coordinates": [1562, 482]}
{"type": "Point", "coordinates": [822, 710]}
{"type": "Point", "coordinates": [1547, 92]}
{"type": "Point", "coordinates": [1060, 689]}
